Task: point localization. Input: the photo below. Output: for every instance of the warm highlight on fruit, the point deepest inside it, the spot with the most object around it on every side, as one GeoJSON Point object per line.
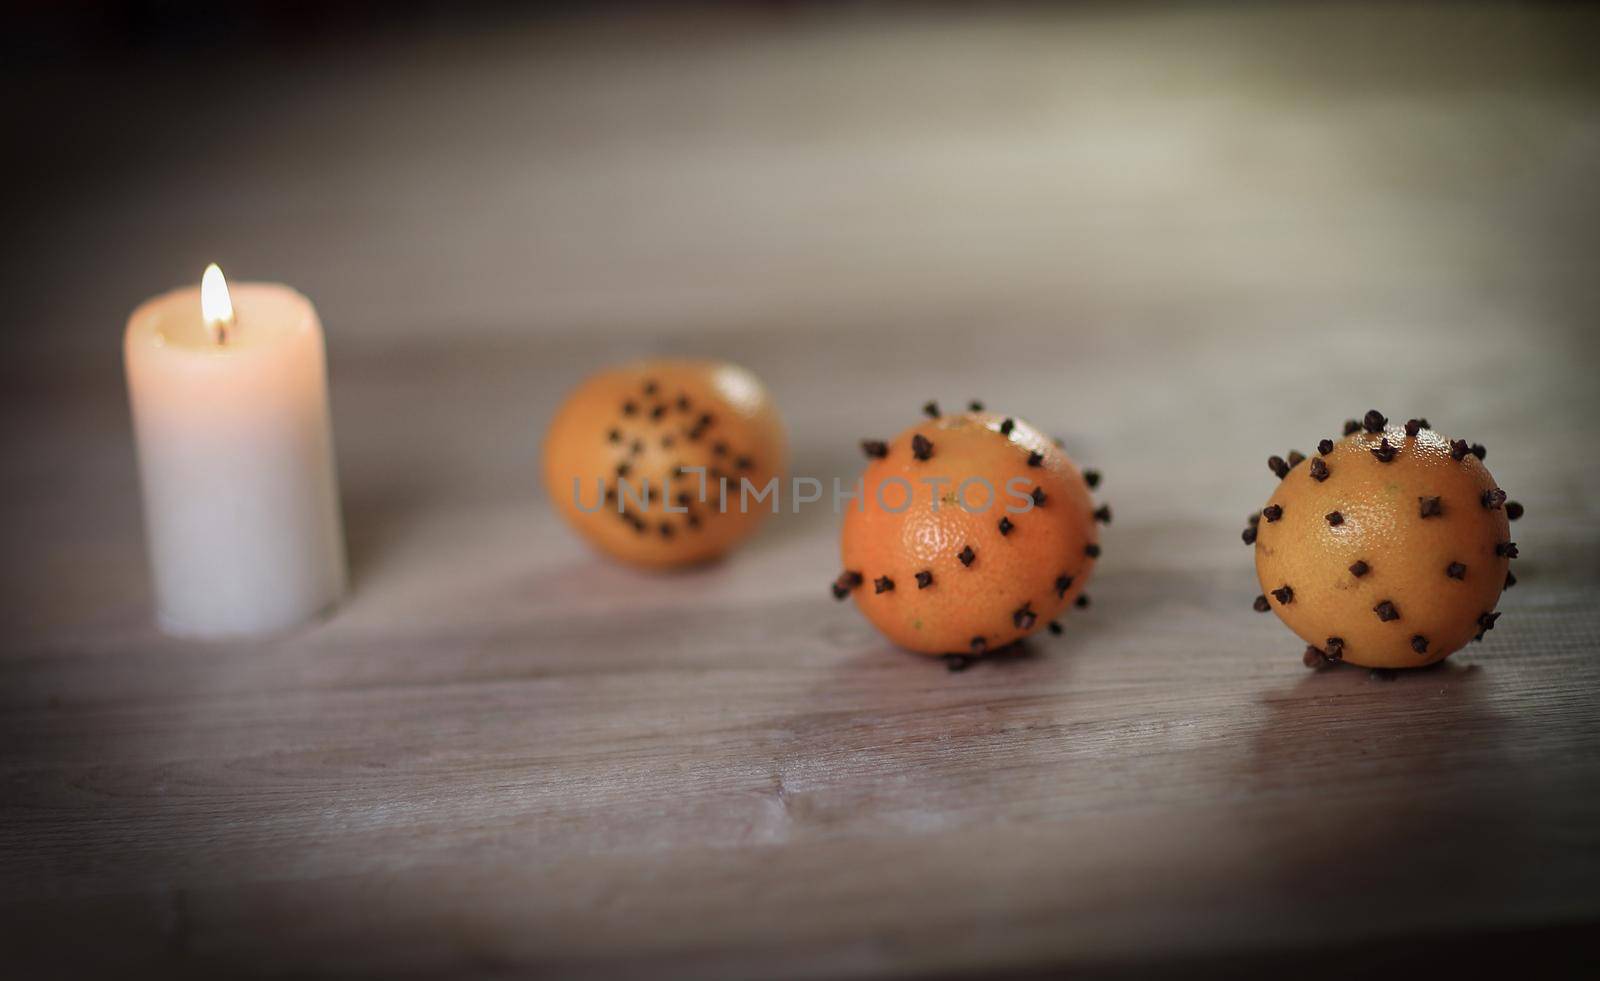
{"type": "Point", "coordinates": [941, 570]}
{"type": "Point", "coordinates": [646, 427]}
{"type": "Point", "coordinates": [1387, 549]}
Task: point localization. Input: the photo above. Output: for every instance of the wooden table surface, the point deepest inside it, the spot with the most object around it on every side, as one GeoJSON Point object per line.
{"type": "Point", "coordinates": [1182, 240]}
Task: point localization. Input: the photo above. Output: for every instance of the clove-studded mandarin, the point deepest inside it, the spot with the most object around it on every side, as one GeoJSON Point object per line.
{"type": "Point", "coordinates": [1390, 551]}
{"type": "Point", "coordinates": [657, 425]}
{"type": "Point", "coordinates": [992, 523]}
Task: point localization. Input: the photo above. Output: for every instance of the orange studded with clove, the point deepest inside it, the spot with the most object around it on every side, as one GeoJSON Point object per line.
{"type": "Point", "coordinates": [682, 430]}
{"type": "Point", "coordinates": [986, 528]}
{"type": "Point", "coordinates": [1389, 550]}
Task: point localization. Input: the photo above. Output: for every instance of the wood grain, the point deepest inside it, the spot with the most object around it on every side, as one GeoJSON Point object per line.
{"type": "Point", "coordinates": [1182, 240]}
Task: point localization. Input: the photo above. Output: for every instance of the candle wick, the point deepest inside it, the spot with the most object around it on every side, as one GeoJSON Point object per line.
{"type": "Point", "coordinates": [220, 330]}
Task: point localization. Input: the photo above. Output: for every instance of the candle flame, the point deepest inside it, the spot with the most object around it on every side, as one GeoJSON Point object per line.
{"type": "Point", "coordinates": [216, 306]}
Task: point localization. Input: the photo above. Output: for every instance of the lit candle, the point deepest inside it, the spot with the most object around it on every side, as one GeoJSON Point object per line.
{"type": "Point", "coordinates": [230, 412]}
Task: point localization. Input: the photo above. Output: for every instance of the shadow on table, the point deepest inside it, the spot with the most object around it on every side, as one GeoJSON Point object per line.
{"type": "Point", "coordinates": [1376, 778]}
{"type": "Point", "coordinates": [373, 524]}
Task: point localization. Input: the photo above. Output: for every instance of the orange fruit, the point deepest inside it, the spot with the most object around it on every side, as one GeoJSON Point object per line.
{"type": "Point", "coordinates": [637, 459]}
{"type": "Point", "coordinates": [1388, 549]}
{"type": "Point", "coordinates": [972, 531]}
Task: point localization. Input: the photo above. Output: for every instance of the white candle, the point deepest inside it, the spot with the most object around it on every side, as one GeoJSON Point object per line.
{"type": "Point", "coordinates": [230, 412]}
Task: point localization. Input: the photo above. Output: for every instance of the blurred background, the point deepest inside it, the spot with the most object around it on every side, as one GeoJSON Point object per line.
{"type": "Point", "coordinates": [1183, 236]}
